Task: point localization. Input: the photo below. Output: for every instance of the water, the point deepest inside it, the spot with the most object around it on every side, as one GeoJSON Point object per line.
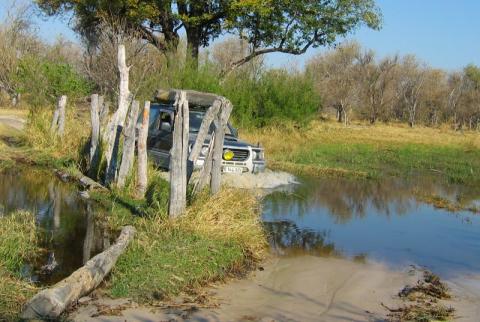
{"type": "Point", "coordinates": [376, 220]}
{"type": "Point", "coordinates": [69, 233]}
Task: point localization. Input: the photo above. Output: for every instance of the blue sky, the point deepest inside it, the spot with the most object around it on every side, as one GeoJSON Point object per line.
{"type": "Point", "coordinates": [443, 33]}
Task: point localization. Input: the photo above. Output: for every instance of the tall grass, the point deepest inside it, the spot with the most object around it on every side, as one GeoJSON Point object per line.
{"type": "Point", "coordinates": [18, 244]}
{"type": "Point", "coordinates": [216, 238]}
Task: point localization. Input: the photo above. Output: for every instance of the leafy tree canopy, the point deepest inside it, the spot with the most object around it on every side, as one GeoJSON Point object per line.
{"type": "Point", "coordinates": [288, 26]}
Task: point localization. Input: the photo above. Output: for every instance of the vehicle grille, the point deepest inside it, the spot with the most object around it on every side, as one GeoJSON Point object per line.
{"type": "Point", "coordinates": [240, 154]}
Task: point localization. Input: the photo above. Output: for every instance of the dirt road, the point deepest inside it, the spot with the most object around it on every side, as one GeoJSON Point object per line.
{"type": "Point", "coordinates": [12, 121]}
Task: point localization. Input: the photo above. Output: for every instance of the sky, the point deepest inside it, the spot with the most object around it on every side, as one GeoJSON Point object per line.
{"type": "Point", "coordinates": [443, 33]}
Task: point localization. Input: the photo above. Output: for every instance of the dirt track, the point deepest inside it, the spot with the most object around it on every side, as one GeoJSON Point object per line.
{"type": "Point", "coordinates": [12, 121]}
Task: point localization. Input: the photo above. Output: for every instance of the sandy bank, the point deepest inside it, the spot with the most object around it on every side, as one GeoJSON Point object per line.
{"type": "Point", "coordinates": [301, 289]}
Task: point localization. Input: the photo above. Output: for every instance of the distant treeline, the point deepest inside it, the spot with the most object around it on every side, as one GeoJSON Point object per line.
{"type": "Point", "coordinates": [348, 80]}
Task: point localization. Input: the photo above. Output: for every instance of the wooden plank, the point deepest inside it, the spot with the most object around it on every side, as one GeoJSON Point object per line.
{"type": "Point", "coordinates": [95, 135]}
{"type": "Point", "coordinates": [204, 175]}
{"type": "Point", "coordinates": [178, 159]}
{"type": "Point", "coordinates": [203, 131]}
{"type": "Point", "coordinates": [52, 302]}
{"type": "Point", "coordinates": [220, 126]}
{"type": "Point", "coordinates": [128, 154]}
{"type": "Point", "coordinates": [142, 152]}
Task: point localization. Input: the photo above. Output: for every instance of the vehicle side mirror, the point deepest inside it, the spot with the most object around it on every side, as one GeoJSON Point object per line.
{"type": "Point", "coordinates": [165, 126]}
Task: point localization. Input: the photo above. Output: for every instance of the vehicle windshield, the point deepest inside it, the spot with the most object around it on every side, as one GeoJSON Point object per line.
{"type": "Point", "coordinates": [196, 118]}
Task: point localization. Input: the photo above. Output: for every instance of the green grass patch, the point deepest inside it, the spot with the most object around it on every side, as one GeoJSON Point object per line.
{"type": "Point", "coordinates": [18, 244]}
{"type": "Point", "coordinates": [457, 164]}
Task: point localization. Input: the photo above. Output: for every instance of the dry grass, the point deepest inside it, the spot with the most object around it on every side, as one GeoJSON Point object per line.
{"type": "Point", "coordinates": [329, 148]}
{"type": "Point", "coordinates": [23, 113]}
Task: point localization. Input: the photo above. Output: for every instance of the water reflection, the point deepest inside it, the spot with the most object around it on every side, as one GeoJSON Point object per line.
{"type": "Point", "coordinates": [70, 234]}
{"type": "Point", "coordinates": [378, 219]}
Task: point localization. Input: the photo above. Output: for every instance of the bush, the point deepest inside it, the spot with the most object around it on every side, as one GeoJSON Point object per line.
{"type": "Point", "coordinates": [42, 81]}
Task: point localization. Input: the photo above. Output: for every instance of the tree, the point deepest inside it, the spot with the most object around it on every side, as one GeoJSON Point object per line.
{"type": "Point", "coordinates": [410, 85]}
{"type": "Point", "coordinates": [268, 26]}
{"type": "Point", "coordinates": [336, 77]}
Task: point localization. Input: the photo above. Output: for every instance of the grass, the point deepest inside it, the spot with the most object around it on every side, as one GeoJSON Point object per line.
{"type": "Point", "coordinates": [328, 148]}
{"type": "Point", "coordinates": [18, 244]}
{"type": "Point", "coordinates": [216, 238]}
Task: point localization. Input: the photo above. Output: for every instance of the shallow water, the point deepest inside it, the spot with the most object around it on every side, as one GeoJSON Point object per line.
{"type": "Point", "coordinates": [376, 220]}
{"type": "Point", "coordinates": [69, 233]}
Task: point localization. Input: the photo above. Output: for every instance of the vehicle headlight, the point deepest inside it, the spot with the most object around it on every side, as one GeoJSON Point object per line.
{"type": "Point", "coordinates": [204, 151]}
{"type": "Point", "coordinates": [228, 155]}
{"type": "Point", "coordinates": [258, 155]}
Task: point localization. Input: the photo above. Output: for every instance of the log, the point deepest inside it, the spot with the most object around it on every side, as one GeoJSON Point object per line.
{"type": "Point", "coordinates": [103, 109]}
{"type": "Point", "coordinates": [128, 154]}
{"type": "Point", "coordinates": [62, 103]}
{"type": "Point", "coordinates": [50, 303]}
{"type": "Point", "coordinates": [220, 125]}
{"type": "Point", "coordinates": [203, 131]}
{"type": "Point", "coordinates": [95, 136]}
{"type": "Point", "coordinates": [178, 159]}
{"type": "Point", "coordinates": [142, 152]}
{"type": "Point", "coordinates": [194, 98]}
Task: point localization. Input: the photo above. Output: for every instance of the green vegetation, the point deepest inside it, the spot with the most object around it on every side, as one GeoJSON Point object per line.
{"type": "Point", "coordinates": [218, 237]}
{"type": "Point", "coordinates": [18, 244]}
{"type": "Point", "coordinates": [372, 151]}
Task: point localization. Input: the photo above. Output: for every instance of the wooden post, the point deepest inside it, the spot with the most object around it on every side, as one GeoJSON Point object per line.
{"type": "Point", "coordinates": [95, 136]}
{"type": "Point", "coordinates": [51, 302]}
{"type": "Point", "coordinates": [102, 109]}
{"type": "Point", "coordinates": [142, 152]}
{"type": "Point", "coordinates": [220, 124]}
{"type": "Point", "coordinates": [58, 119]}
{"type": "Point", "coordinates": [203, 131]}
{"type": "Point", "coordinates": [116, 123]}
{"type": "Point", "coordinates": [128, 154]}
{"type": "Point", "coordinates": [206, 170]}
{"type": "Point", "coordinates": [178, 158]}
{"type": "Point", "coordinates": [62, 103]}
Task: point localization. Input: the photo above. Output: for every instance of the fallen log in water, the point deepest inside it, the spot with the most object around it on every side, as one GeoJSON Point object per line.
{"type": "Point", "coordinates": [52, 302]}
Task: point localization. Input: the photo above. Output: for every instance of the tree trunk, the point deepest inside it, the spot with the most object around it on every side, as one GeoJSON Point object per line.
{"type": "Point", "coordinates": [142, 152]}
{"type": "Point", "coordinates": [128, 154]}
{"type": "Point", "coordinates": [193, 44]}
{"type": "Point", "coordinates": [178, 158]}
{"type": "Point", "coordinates": [220, 124]}
{"type": "Point", "coordinates": [95, 136]}
{"type": "Point", "coordinates": [50, 303]}
{"type": "Point", "coordinates": [117, 121]}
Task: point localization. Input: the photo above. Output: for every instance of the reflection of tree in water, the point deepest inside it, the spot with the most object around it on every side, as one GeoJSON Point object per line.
{"type": "Point", "coordinates": [287, 239]}
{"type": "Point", "coordinates": [346, 199]}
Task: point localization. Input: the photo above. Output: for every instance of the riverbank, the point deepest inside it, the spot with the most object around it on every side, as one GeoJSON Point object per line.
{"type": "Point", "coordinates": [217, 238]}
{"type": "Point", "coordinates": [371, 151]}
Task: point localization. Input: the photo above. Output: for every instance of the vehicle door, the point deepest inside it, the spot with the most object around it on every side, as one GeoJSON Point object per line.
{"type": "Point", "coordinates": [160, 136]}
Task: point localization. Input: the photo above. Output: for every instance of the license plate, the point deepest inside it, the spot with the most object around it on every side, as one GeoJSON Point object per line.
{"type": "Point", "coordinates": [229, 169]}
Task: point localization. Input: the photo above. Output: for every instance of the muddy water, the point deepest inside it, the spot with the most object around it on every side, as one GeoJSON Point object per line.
{"type": "Point", "coordinates": [69, 233]}
{"type": "Point", "coordinates": [377, 221]}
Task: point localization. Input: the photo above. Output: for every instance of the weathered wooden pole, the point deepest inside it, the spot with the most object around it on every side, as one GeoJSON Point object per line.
{"type": "Point", "coordinates": [95, 136]}
{"type": "Point", "coordinates": [51, 302]}
{"type": "Point", "coordinates": [204, 176]}
{"type": "Point", "coordinates": [58, 119]}
{"type": "Point", "coordinates": [220, 125]}
{"type": "Point", "coordinates": [142, 162]}
{"type": "Point", "coordinates": [62, 103]}
{"type": "Point", "coordinates": [203, 131]}
{"type": "Point", "coordinates": [128, 154]}
{"type": "Point", "coordinates": [116, 123]}
{"type": "Point", "coordinates": [178, 158]}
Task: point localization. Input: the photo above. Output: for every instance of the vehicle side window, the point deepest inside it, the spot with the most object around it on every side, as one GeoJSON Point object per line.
{"type": "Point", "coordinates": [165, 121]}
